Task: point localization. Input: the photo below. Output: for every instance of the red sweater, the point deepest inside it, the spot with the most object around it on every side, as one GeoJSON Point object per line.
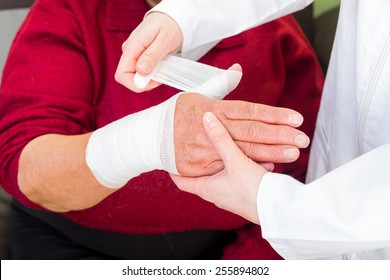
{"type": "Point", "coordinates": [59, 78]}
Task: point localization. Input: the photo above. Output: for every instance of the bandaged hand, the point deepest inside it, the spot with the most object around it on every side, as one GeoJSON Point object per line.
{"type": "Point", "coordinates": [144, 141]}
{"type": "Point", "coordinates": [155, 37]}
{"type": "Point", "coordinates": [170, 137]}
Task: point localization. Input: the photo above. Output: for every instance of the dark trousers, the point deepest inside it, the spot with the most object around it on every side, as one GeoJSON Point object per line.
{"type": "Point", "coordinates": [36, 234]}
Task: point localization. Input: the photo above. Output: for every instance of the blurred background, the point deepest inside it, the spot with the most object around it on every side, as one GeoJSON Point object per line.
{"type": "Point", "coordinates": [319, 17]}
{"type": "Point", "coordinates": [12, 13]}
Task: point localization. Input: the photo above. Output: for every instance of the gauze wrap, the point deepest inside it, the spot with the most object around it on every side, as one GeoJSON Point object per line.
{"type": "Point", "coordinates": [192, 76]}
{"type": "Point", "coordinates": [144, 141]}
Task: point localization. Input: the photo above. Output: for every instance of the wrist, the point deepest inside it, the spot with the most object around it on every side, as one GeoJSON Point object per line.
{"type": "Point", "coordinates": [135, 144]}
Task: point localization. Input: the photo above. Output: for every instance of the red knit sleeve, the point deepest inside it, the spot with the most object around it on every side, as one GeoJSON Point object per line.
{"type": "Point", "coordinates": [46, 88]}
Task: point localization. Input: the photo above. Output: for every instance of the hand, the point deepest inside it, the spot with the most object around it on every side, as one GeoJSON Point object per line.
{"type": "Point", "coordinates": [155, 37]}
{"type": "Point", "coordinates": [235, 187]}
{"type": "Point", "coordinates": [265, 134]}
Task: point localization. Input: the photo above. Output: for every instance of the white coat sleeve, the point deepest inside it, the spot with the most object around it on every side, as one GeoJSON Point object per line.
{"type": "Point", "coordinates": [344, 211]}
{"type": "Point", "coordinates": [205, 22]}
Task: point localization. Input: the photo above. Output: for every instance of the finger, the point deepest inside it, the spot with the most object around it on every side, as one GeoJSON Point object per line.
{"type": "Point", "coordinates": [168, 39]}
{"type": "Point", "coordinates": [152, 56]}
{"type": "Point", "coordinates": [259, 112]}
{"type": "Point", "coordinates": [260, 132]}
{"type": "Point", "coordinates": [152, 84]}
{"type": "Point", "coordinates": [268, 166]}
{"type": "Point", "coordinates": [185, 183]}
{"type": "Point", "coordinates": [126, 66]}
{"type": "Point", "coordinates": [221, 140]}
{"type": "Point", "coordinates": [269, 153]}
{"type": "Point", "coordinates": [126, 70]}
{"type": "Point", "coordinates": [236, 67]}
{"type": "Point", "coordinates": [193, 185]}
{"type": "Point", "coordinates": [139, 40]}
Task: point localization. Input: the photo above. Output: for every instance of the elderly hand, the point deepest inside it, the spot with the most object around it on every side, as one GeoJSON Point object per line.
{"type": "Point", "coordinates": [235, 187]}
{"type": "Point", "coordinates": [155, 37]}
{"type": "Point", "coordinates": [265, 134]}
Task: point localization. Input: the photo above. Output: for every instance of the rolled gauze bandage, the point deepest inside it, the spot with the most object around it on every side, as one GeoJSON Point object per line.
{"type": "Point", "coordinates": [144, 141]}
{"type": "Point", "coordinates": [191, 76]}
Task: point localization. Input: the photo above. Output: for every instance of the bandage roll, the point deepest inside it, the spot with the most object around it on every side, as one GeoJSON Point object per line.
{"type": "Point", "coordinates": [191, 76]}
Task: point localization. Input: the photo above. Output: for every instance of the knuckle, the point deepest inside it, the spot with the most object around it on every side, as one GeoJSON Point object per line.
{"type": "Point", "coordinates": [256, 111]}
{"type": "Point", "coordinates": [124, 45]}
{"type": "Point", "coordinates": [254, 131]}
{"type": "Point", "coordinates": [262, 153]}
{"type": "Point", "coordinates": [149, 59]}
{"type": "Point", "coordinates": [286, 134]}
{"type": "Point", "coordinates": [248, 149]}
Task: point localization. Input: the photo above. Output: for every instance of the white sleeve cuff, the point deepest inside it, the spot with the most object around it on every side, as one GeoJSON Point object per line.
{"type": "Point", "coordinates": [204, 21]}
{"type": "Point", "coordinates": [268, 208]}
{"type": "Point", "coordinates": [339, 213]}
{"type": "Point", "coordinates": [190, 49]}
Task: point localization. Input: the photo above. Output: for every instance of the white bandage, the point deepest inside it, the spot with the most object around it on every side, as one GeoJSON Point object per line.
{"type": "Point", "coordinates": [191, 76]}
{"type": "Point", "coordinates": [144, 141]}
{"type": "Point", "coordinates": [135, 144]}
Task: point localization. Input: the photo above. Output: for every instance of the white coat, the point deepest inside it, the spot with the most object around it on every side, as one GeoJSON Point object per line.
{"type": "Point", "coordinates": [343, 212]}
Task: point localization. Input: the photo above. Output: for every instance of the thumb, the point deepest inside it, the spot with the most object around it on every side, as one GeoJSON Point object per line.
{"type": "Point", "coordinates": [151, 57]}
{"type": "Point", "coordinates": [221, 140]}
{"type": "Point", "coordinates": [220, 83]}
{"type": "Point", "coordinates": [236, 67]}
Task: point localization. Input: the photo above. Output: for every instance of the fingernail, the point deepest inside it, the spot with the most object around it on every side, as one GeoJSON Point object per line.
{"type": "Point", "coordinates": [302, 141]}
{"type": "Point", "coordinates": [291, 153]}
{"type": "Point", "coordinates": [208, 118]}
{"type": "Point", "coordinates": [295, 119]}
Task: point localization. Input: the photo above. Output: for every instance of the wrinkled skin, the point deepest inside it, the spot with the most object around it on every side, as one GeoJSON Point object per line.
{"type": "Point", "coordinates": [235, 187]}
{"type": "Point", "coordinates": [262, 132]}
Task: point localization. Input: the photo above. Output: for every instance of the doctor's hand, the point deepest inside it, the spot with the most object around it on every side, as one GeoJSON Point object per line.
{"type": "Point", "coordinates": [156, 36]}
{"type": "Point", "coordinates": [235, 187]}
{"type": "Point", "coordinates": [264, 133]}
